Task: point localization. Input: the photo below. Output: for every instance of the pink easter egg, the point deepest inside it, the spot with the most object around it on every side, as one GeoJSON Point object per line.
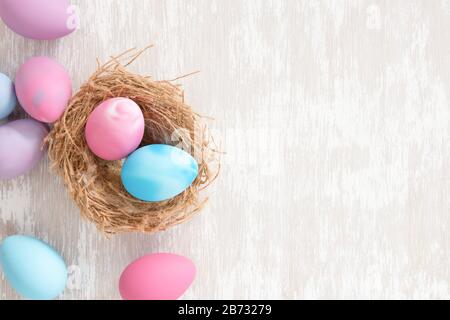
{"type": "Point", "coordinates": [115, 128]}
{"type": "Point", "coordinates": [43, 88]}
{"type": "Point", "coordinates": [161, 276]}
{"type": "Point", "coordinates": [39, 19]}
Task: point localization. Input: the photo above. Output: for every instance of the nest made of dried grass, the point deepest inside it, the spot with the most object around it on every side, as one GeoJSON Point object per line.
{"type": "Point", "coordinates": [95, 184]}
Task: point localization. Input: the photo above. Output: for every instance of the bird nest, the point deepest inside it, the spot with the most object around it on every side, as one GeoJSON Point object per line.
{"type": "Point", "coordinates": [95, 184]}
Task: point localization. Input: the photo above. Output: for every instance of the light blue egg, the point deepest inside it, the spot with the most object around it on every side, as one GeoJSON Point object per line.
{"type": "Point", "coordinates": [158, 172]}
{"type": "Point", "coordinates": [33, 268]}
{"type": "Point", "coordinates": [8, 98]}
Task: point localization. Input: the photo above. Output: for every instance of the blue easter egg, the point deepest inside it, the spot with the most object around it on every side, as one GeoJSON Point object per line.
{"type": "Point", "coordinates": [33, 268]}
{"type": "Point", "coordinates": [8, 98]}
{"type": "Point", "coordinates": [158, 172]}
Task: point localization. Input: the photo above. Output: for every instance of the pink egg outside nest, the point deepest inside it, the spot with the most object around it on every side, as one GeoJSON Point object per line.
{"type": "Point", "coordinates": [161, 276]}
{"type": "Point", "coordinates": [43, 88]}
{"type": "Point", "coordinates": [39, 19]}
{"type": "Point", "coordinates": [115, 129]}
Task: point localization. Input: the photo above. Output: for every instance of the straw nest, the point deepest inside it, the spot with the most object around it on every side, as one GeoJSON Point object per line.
{"type": "Point", "coordinates": [95, 184]}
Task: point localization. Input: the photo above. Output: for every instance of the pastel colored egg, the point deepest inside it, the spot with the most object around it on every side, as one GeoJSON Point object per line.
{"type": "Point", "coordinates": [33, 268]}
{"type": "Point", "coordinates": [161, 276]}
{"type": "Point", "coordinates": [21, 147]}
{"type": "Point", "coordinates": [38, 19]}
{"type": "Point", "coordinates": [115, 128]}
{"type": "Point", "coordinates": [43, 88]}
{"type": "Point", "coordinates": [158, 172]}
{"type": "Point", "coordinates": [8, 98]}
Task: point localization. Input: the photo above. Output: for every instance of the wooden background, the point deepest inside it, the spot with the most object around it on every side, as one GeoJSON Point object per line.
{"type": "Point", "coordinates": [335, 116]}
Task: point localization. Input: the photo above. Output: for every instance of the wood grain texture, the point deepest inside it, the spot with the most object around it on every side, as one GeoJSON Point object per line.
{"type": "Point", "coordinates": [335, 116]}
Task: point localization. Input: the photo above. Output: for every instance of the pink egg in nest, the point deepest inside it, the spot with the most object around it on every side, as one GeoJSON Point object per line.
{"type": "Point", "coordinates": [115, 129]}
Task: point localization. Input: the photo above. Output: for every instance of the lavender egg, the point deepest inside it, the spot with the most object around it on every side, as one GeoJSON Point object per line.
{"type": "Point", "coordinates": [39, 19]}
{"type": "Point", "coordinates": [21, 147]}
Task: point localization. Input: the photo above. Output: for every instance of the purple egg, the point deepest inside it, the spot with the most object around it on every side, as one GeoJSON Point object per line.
{"type": "Point", "coordinates": [39, 19]}
{"type": "Point", "coordinates": [21, 147]}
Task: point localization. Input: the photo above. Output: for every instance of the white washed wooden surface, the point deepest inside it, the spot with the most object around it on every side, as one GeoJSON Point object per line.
{"type": "Point", "coordinates": [335, 116]}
